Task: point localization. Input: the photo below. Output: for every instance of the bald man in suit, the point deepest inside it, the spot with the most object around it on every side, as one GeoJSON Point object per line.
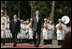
{"type": "Point", "coordinates": [15, 28]}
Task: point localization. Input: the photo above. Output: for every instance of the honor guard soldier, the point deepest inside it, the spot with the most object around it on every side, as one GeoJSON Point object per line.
{"type": "Point", "coordinates": [23, 33]}
{"type": "Point", "coordinates": [8, 34]}
{"type": "Point", "coordinates": [51, 31]}
{"type": "Point", "coordinates": [19, 36]}
{"type": "Point", "coordinates": [48, 30]}
{"type": "Point", "coordinates": [30, 34]}
{"type": "Point", "coordinates": [3, 26]}
{"type": "Point", "coordinates": [45, 32]}
{"type": "Point", "coordinates": [59, 32]}
{"type": "Point", "coordinates": [65, 29]}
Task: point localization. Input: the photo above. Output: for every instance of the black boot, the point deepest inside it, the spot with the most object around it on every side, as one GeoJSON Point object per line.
{"type": "Point", "coordinates": [10, 40]}
{"type": "Point", "coordinates": [3, 41]}
{"type": "Point", "coordinates": [45, 42]}
{"type": "Point", "coordinates": [50, 41]}
{"type": "Point", "coordinates": [15, 43]}
{"type": "Point", "coordinates": [58, 42]}
{"type": "Point", "coordinates": [29, 41]}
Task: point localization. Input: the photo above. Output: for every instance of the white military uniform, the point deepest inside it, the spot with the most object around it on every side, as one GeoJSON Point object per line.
{"type": "Point", "coordinates": [45, 32]}
{"type": "Point", "coordinates": [23, 31]}
{"type": "Point", "coordinates": [50, 31]}
{"type": "Point", "coordinates": [21, 34]}
{"type": "Point", "coordinates": [27, 30]}
{"type": "Point", "coordinates": [3, 26]}
{"type": "Point", "coordinates": [65, 29]}
{"type": "Point", "coordinates": [8, 34]}
{"type": "Point", "coordinates": [30, 33]}
{"type": "Point", "coordinates": [59, 32]}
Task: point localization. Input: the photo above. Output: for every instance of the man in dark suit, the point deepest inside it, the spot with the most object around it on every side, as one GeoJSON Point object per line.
{"type": "Point", "coordinates": [15, 28]}
{"type": "Point", "coordinates": [36, 27]}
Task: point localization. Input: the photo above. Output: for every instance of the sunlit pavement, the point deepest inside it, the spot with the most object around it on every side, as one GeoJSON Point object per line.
{"type": "Point", "coordinates": [54, 45]}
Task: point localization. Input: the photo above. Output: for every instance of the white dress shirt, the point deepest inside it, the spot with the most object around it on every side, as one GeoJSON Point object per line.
{"type": "Point", "coordinates": [15, 20]}
{"type": "Point", "coordinates": [37, 17]}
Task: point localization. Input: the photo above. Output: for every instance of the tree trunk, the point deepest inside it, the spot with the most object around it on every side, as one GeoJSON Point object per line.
{"type": "Point", "coordinates": [19, 9]}
{"type": "Point", "coordinates": [31, 9]}
{"type": "Point", "coordinates": [52, 10]}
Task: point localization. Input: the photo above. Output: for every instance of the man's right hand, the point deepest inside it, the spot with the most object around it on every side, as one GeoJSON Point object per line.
{"type": "Point", "coordinates": [2, 24]}
{"type": "Point", "coordinates": [7, 28]}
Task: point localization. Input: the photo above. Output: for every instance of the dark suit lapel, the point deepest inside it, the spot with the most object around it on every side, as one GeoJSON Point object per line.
{"type": "Point", "coordinates": [35, 19]}
{"type": "Point", "coordinates": [13, 21]}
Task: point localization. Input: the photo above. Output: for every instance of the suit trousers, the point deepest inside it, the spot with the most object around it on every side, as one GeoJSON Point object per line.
{"type": "Point", "coordinates": [14, 35]}
{"type": "Point", "coordinates": [36, 34]}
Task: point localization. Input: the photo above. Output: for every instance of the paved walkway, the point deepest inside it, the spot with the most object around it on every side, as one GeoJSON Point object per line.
{"type": "Point", "coordinates": [54, 45]}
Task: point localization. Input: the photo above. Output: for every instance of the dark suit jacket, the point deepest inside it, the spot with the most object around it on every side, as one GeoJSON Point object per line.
{"type": "Point", "coordinates": [37, 25]}
{"type": "Point", "coordinates": [14, 27]}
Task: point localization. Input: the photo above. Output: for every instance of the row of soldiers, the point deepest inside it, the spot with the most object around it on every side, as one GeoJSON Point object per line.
{"type": "Point", "coordinates": [27, 33]}
{"type": "Point", "coordinates": [48, 31]}
{"type": "Point", "coordinates": [5, 28]}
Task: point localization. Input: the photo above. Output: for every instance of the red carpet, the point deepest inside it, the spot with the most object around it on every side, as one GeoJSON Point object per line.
{"type": "Point", "coordinates": [24, 46]}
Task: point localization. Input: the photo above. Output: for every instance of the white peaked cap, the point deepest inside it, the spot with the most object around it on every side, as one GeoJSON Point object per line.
{"type": "Point", "coordinates": [21, 20]}
{"type": "Point", "coordinates": [27, 21]}
{"type": "Point", "coordinates": [50, 21]}
{"type": "Point", "coordinates": [45, 19]}
{"type": "Point", "coordinates": [2, 11]}
{"type": "Point", "coordinates": [59, 19]}
{"type": "Point", "coordinates": [31, 19]}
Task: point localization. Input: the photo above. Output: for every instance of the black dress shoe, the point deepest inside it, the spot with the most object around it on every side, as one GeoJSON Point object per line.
{"type": "Point", "coordinates": [36, 45]}
{"type": "Point", "coordinates": [34, 42]}
{"type": "Point", "coordinates": [3, 44]}
{"type": "Point", "coordinates": [14, 45]}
